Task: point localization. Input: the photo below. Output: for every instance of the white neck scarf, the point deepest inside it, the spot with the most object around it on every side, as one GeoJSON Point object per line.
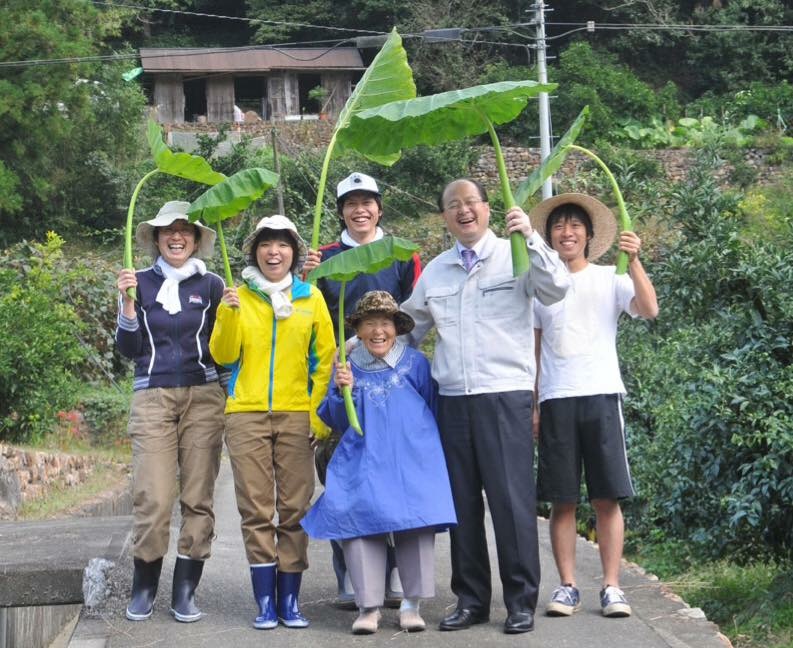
{"type": "Point", "coordinates": [349, 241]}
{"type": "Point", "coordinates": [282, 307]}
{"type": "Point", "coordinates": [168, 294]}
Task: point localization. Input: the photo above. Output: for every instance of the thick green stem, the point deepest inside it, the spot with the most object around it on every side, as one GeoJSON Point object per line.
{"type": "Point", "coordinates": [225, 253]}
{"type": "Point", "coordinates": [346, 392]}
{"type": "Point", "coordinates": [128, 231]}
{"type": "Point", "coordinates": [624, 220]}
{"type": "Point", "coordinates": [520, 254]}
{"type": "Point", "coordinates": [323, 178]}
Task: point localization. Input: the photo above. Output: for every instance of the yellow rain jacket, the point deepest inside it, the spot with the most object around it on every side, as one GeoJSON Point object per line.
{"type": "Point", "coordinates": [277, 365]}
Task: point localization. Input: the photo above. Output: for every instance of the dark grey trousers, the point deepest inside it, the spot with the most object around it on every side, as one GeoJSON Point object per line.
{"type": "Point", "coordinates": [488, 443]}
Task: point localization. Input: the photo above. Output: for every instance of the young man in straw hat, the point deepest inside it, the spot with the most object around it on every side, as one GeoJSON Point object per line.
{"type": "Point", "coordinates": [579, 415]}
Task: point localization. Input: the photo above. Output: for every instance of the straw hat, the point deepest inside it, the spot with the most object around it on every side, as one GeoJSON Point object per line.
{"type": "Point", "coordinates": [381, 303]}
{"type": "Point", "coordinates": [278, 222]}
{"type": "Point", "coordinates": [170, 212]}
{"type": "Point", "coordinates": [604, 223]}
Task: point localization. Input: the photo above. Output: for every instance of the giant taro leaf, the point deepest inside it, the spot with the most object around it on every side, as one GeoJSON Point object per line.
{"type": "Point", "coordinates": [388, 78]}
{"type": "Point", "coordinates": [551, 164]}
{"type": "Point", "coordinates": [183, 165]}
{"type": "Point", "coordinates": [438, 118]}
{"type": "Point", "coordinates": [445, 117]}
{"type": "Point", "coordinates": [363, 259]}
{"type": "Point", "coordinates": [228, 199]}
{"type": "Point", "coordinates": [231, 196]}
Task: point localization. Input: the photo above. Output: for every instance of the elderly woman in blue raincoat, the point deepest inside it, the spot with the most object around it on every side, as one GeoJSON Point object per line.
{"type": "Point", "coordinates": [391, 484]}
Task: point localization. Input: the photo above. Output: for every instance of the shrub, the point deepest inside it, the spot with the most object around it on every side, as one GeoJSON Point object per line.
{"type": "Point", "coordinates": [40, 356]}
{"type": "Point", "coordinates": [709, 410]}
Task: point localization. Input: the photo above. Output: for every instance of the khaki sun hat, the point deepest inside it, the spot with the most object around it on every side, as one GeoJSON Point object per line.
{"type": "Point", "coordinates": [170, 212]}
{"type": "Point", "coordinates": [381, 303]}
{"type": "Point", "coordinates": [279, 222]}
{"type": "Point", "coordinates": [604, 223]}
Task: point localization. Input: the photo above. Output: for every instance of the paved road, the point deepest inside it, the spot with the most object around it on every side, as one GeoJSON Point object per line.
{"type": "Point", "coordinates": [659, 620]}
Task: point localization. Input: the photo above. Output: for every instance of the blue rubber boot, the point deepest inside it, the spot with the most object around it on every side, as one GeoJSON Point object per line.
{"type": "Point", "coordinates": [263, 581]}
{"type": "Point", "coordinates": [287, 605]}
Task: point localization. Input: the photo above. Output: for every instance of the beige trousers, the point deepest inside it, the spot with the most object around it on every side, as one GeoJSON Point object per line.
{"type": "Point", "coordinates": [273, 467]}
{"type": "Point", "coordinates": [415, 558]}
{"type": "Point", "coordinates": [177, 435]}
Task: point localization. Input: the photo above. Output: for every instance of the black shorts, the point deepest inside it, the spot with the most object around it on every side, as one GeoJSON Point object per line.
{"type": "Point", "coordinates": [588, 432]}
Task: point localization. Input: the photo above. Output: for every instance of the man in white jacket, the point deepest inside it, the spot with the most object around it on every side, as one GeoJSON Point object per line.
{"type": "Point", "coordinates": [485, 368]}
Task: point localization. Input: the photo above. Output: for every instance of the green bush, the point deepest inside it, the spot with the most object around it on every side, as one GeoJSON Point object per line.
{"type": "Point", "coordinates": [613, 92]}
{"type": "Point", "coordinates": [709, 412]}
{"type": "Point", "coordinates": [40, 356]}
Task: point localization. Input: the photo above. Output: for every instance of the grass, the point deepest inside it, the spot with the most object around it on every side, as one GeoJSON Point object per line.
{"type": "Point", "coordinates": [752, 604]}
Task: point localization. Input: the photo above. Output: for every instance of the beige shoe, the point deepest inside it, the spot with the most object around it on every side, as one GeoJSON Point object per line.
{"type": "Point", "coordinates": [411, 621]}
{"type": "Point", "coordinates": [367, 621]}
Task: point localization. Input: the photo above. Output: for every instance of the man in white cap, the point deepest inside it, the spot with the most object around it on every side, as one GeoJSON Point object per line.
{"type": "Point", "coordinates": [360, 207]}
{"type": "Point", "coordinates": [579, 413]}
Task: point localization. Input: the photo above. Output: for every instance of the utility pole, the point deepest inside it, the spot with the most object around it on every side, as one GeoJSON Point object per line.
{"type": "Point", "coordinates": [279, 189]}
{"type": "Point", "coordinates": [545, 108]}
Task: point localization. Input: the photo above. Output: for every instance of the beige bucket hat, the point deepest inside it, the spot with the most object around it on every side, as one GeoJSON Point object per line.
{"type": "Point", "coordinates": [382, 303]}
{"type": "Point", "coordinates": [604, 223]}
{"type": "Point", "coordinates": [170, 212]}
{"type": "Point", "coordinates": [279, 222]}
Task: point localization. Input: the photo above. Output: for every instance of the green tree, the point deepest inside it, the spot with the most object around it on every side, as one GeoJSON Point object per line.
{"type": "Point", "coordinates": [65, 129]}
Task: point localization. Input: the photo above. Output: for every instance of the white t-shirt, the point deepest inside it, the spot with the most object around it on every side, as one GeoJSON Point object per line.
{"type": "Point", "coordinates": [579, 335]}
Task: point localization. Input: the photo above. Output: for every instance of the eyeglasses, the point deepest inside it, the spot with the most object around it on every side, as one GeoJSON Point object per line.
{"type": "Point", "coordinates": [456, 205]}
{"type": "Point", "coordinates": [187, 230]}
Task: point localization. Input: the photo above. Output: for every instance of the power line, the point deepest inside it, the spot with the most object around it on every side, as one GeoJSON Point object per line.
{"type": "Point", "coordinates": [238, 18]}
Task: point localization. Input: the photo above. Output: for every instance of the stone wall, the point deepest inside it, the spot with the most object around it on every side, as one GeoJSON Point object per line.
{"type": "Point", "coordinates": [293, 136]}
{"type": "Point", "coordinates": [675, 163]}
{"type": "Point", "coordinates": [26, 474]}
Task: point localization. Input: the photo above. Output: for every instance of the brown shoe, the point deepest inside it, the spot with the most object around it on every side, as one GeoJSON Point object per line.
{"type": "Point", "coordinates": [411, 621]}
{"type": "Point", "coordinates": [367, 621]}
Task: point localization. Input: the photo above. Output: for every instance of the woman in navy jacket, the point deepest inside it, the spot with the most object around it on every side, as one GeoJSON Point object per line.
{"type": "Point", "coordinates": [176, 418]}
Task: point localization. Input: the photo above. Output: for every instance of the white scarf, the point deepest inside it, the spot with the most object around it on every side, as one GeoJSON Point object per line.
{"type": "Point", "coordinates": [282, 307]}
{"type": "Point", "coordinates": [349, 241]}
{"type": "Point", "coordinates": [168, 294]}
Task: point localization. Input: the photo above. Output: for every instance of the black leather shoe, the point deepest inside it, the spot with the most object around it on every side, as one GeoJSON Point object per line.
{"type": "Point", "coordinates": [518, 622]}
{"type": "Point", "coordinates": [462, 618]}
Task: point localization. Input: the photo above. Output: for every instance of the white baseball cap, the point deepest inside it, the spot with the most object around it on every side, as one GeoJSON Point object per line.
{"type": "Point", "coordinates": [356, 182]}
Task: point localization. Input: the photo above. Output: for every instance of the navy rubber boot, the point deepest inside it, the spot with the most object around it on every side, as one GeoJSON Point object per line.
{"type": "Point", "coordinates": [287, 605]}
{"type": "Point", "coordinates": [186, 576]}
{"type": "Point", "coordinates": [263, 581]}
{"type": "Point", "coordinates": [145, 580]}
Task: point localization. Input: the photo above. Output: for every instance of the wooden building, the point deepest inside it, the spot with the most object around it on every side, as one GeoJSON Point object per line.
{"type": "Point", "coordinates": [197, 84]}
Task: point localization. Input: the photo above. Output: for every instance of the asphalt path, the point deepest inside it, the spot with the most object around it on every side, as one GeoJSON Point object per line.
{"type": "Point", "coordinates": [659, 620]}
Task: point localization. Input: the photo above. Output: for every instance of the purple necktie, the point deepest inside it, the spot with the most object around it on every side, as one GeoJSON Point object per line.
{"type": "Point", "coordinates": [469, 259]}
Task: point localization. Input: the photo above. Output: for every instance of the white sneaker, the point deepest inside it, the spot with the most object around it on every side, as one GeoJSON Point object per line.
{"type": "Point", "coordinates": [613, 602]}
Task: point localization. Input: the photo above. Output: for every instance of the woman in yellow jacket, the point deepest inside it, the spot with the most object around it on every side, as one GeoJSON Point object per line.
{"type": "Point", "coordinates": [275, 334]}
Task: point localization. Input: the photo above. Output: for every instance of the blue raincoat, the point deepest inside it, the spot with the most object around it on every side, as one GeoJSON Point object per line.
{"type": "Point", "coordinates": [394, 477]}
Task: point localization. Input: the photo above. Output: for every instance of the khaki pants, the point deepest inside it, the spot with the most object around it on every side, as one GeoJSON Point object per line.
{"type": "Point", "coordinates": [176, 433]}
{"type": "Point", "coordinates": [273, 470]}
